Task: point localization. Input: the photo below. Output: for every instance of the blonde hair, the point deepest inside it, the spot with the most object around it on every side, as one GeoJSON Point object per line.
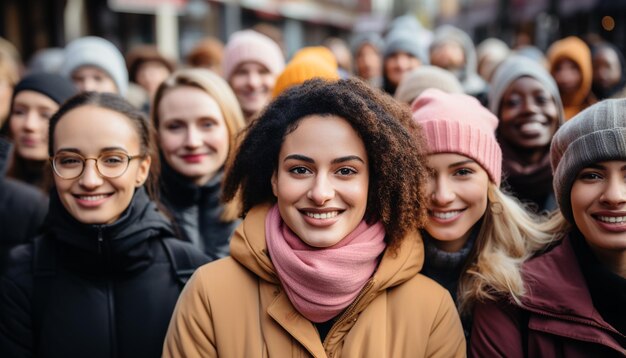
{"type": "Point", "coordinates": [9, 70]}
{"type": "Point", "coordinates": [220, 91]}
{"type": "Point", "coordinates": [509, 235]}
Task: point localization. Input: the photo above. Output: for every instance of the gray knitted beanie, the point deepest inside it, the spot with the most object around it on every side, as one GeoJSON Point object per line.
{"type": "Point", "coordinates": [361, 39]}
{"type": "Point", "coordinates": [98, 52]}
{"type": "Point", "coordinates": [513, 68]}
{"type": "Point", "coordinates": [594, 135]}
{"type": "Point", "coordinates": [403, 40]}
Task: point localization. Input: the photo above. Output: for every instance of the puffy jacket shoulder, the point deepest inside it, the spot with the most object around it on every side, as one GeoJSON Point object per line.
{"type": "Point", "coordinates": [436, 315]}
{"type": "Point", "coordinates": [19, 262]}
{"type": "Point", "coordinates": [196, 257]}
{"type": "Point", "coordinates": [22, 212]}
{"type": "Point", "coordinates": [16, 285]}
{"type": "Point", "coordinates": [221, 295]}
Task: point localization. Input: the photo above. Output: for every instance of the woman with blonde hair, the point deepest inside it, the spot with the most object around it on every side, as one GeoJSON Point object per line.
{"type": "Point", "coordinates": [197, 118]}
{"type": "Point", "coordinates": [476, 236]}
{"type": "Point", "coordinates": [9, 76]}
{"type": "Point", "coordinates": [326, 262]}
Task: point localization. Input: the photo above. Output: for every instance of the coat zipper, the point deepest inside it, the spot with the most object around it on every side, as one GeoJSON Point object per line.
{"type": "Point", "coordinates": [105, 250]}
{"type": "Point", "coordinates": [100, 240]}
{"type": "Point", "coordinates": [349, 311]}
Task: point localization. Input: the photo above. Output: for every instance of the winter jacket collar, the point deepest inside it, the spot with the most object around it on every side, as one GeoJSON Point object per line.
{"type": "Point", "coordinates": [528, 182]}
{"type": "Point", "coordinates": [607, 289]}
{"type": "Point", "coordinates": [125, 242]}
{"type": "Point", "coordinates": [181, 191]}
{"type": "Point", "coordinates": [249, 249]}
{"type": "Point", "coordinates": [5, 155]}
{"type": "Point", "coordinates": [558, 294]}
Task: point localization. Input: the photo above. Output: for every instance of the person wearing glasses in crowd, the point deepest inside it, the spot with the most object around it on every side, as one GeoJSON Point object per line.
{"type": "Point", "coordinates": [103, 278]}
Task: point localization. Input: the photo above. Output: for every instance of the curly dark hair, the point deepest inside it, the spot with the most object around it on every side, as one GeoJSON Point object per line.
{"type": "Point", "coordinates": [394, 145]}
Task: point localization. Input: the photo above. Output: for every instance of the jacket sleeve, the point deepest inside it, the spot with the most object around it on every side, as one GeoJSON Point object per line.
{"type": "Point", "coordinates": [496, 330]}
{"type": "Point", "coordinates": [15, 323]}
{"type": "Point", "coordinates": [190, 333]}
{"type": "Point", "coordinates": [446, 337]}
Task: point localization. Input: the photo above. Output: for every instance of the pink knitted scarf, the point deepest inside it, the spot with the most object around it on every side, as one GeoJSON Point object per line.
{"type": "Point", "coordinates": [321, 283]}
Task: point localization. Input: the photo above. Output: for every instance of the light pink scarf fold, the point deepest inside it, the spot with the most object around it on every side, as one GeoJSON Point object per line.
{"type": "Point", "coordinates": [321, 283]}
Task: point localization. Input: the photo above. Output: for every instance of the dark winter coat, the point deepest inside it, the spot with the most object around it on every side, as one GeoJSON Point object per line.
{"type": "Point", "coordinates": [92, 290]}
{"type": "Point", "coordinates": [557, 317]}
{"type": "Point", "coordinates": [196, 211]}
{"type": "Point", "coordinates": [22, 208]}
{"type": "Point", "coordinates": [447, 268]}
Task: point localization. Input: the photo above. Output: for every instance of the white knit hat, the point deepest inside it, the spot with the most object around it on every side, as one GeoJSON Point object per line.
{"type": "Point", "coordinates": [249, 45]}
{"type": "Point", "coordinates": [98, 52]}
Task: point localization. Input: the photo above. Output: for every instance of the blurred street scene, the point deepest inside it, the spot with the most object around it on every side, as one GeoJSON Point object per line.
{"type": "Point", "coordinates": [176, 25]}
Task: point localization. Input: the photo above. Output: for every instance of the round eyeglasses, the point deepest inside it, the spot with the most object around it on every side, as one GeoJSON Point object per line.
{"type": "Point", "coordinates": [109, 165]}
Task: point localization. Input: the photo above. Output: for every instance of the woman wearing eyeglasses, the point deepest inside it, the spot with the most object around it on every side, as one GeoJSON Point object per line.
{"type": "Point", "coordinates": [103, 279]}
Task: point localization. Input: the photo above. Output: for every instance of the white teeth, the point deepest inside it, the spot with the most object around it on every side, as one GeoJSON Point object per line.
{"type": "Point", "coordinates": [446, 215]}
{"type": "Point", "coordinates": [612, 219]}
{"type": "Point", "coordinates": [327, 215]}
{"type": "Point", "coordinates": [92, 197]}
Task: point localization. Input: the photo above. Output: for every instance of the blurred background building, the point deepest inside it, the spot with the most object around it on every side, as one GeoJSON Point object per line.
{"type": "Point", "coordinates": [175, 25]}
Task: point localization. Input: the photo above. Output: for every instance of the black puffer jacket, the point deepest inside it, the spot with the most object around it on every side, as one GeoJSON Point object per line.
{"type": "Point", "coordinates": [92, 290]}
{"type": "Point", "coordinates": [196, 211]}
{"type": "Point", "coordinates": [22, 208]}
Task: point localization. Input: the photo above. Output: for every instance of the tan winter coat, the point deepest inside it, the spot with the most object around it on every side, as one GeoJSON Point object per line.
{"type": "Point", "coordinates": [236, 307]}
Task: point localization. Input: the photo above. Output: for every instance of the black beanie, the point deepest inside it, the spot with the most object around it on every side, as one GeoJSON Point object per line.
{"type": "Point", "coordinates": [57, 87]}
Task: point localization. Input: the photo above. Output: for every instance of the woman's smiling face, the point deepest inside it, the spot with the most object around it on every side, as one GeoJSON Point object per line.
{"type": "Point", "coordinates": [92, 131]}
{"type": "Point", "coordinates": [322, 180]}
{"type": "Point", "coordinates": [598, 200]}
{"type": "Point", "coordinates": [528, 114]}
{"type": "Point", "coordinates": [457, 190]}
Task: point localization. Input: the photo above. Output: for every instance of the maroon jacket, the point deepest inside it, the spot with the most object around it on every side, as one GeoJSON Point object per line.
{"type": "Point", "coordinates": [556, 319]}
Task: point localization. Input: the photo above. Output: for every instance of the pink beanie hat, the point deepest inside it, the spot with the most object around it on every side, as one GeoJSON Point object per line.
{"type": "Point", "coordinates": [458, 123]}
{"type": "Point", "coordinates": [249, 45]}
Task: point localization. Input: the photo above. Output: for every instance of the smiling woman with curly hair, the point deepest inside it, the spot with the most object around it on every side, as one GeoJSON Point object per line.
{"type": "Point", "coordinates": [326, 260]}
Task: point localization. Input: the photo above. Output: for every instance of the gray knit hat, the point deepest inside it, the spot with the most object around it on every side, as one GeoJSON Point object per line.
{"type": "Point", "coordinates": [361, 39]}
{"type": "Point", "coordinates": [424, 77]}
{"type": "Point", "coordinates": [594, 135]}
{"type": "Point", "coordinates": [98, 52]}
{"type": "Point", "coordinates": [403, 40]}
{"type": "Point", "coordinates": [519, 66]}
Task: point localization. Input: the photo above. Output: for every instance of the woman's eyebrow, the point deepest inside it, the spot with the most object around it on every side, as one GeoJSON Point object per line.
{"type": "Point", "coordinates": [301, 157]}
{"type": "Point", "coordinates": [347, 159]}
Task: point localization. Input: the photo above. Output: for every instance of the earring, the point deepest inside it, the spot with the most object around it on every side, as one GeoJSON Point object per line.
{"type": "Point", "coordinates": [496, 208]}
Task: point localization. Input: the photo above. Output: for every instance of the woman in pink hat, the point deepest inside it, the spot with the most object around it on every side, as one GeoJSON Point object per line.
{"type": "Point", "coordinates": [251, 64]}
{"type": "Point", "coordinates": [476, 236]}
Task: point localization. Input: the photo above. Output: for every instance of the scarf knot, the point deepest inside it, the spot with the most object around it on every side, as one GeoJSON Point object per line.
{"type": "Point", "coordinates": [322, 282]}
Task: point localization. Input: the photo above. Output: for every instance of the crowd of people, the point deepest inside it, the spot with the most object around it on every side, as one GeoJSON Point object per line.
{"type": "Point", "coordinates": [404, 194]}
